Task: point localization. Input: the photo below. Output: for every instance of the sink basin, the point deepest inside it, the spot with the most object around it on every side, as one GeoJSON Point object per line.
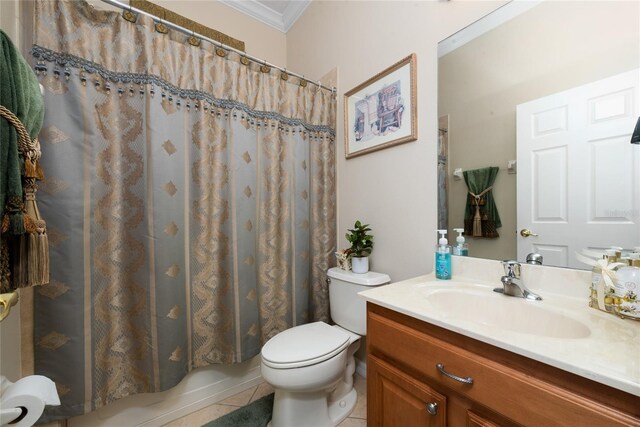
{"type": "Point", "coordinates": [488, 308]}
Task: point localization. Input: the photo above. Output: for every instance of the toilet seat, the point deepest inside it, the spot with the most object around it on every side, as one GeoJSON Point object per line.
{"type": "Point", "coordinates": [304, 345]}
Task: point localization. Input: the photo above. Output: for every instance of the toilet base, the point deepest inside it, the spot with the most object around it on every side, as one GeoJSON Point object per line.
{"type": "Point", "coordinates": [311, 409]}
{"type": "Point", "coordinates": [340, 409]}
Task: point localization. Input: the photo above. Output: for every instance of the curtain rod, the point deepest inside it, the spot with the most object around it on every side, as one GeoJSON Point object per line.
{"type": "Point", "coordinates": [214, 42]}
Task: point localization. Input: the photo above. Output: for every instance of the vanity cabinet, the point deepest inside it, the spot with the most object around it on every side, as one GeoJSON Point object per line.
{"type": "Point", "coordinates": [412, 365]}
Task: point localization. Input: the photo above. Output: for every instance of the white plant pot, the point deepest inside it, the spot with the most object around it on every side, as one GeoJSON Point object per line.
{"type": "Point", "coordinates": [360, 264]}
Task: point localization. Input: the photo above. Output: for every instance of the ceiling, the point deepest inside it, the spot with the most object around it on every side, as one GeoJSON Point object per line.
{"type": "Point", "coordinates": [279, 14]}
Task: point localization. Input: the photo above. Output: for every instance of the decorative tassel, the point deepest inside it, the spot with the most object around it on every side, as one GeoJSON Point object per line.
{"type": "Point", "coordinates": [477, 222]}
{"type": "Point", "coordinates": [39, 171]}
{"type": "Point", "coordinates": [32, 259]}
{"type": "Point", "coordinates": [477, 218]}
{"type": "Point", "coordinates": [30, 168]}
{"type": "Point", "coordinates": [37, 259]}
{"type": "Point", "coordinates": [43, 258]}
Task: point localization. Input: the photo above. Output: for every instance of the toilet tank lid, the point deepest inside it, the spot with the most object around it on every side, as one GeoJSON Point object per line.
{"type": "Point", "coordinates": [365, 279]}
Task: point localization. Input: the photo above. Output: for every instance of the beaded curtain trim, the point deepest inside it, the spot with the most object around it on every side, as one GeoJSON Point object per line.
{"type": "Point", "coordinates": [67, 61]}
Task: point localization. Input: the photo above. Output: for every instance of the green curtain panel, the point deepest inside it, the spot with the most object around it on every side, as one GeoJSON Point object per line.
{"type": "Point", "coordinates": [481, 217]}
{"type": "Point", "coordinates": [190, 200]}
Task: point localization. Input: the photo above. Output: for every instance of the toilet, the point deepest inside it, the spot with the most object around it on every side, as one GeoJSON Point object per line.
{"type": "Point", "coordinates": [311, 366]}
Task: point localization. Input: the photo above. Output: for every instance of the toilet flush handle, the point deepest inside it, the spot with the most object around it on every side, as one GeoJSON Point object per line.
{"type": "Point", "coordinates": [328, 280]}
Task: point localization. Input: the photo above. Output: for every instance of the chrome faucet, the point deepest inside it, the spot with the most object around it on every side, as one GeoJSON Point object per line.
{"type": "Point", "coordinates": [534, 258]}
{"type": "Point", "coordinates": [512, 283]}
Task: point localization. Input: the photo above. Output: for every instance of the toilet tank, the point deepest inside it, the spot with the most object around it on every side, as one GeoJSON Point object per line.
{"type": "Point", "coordinates": [347, 309]}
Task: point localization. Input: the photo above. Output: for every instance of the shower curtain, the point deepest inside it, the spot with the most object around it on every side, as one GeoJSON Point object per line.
{"type": "Point", "coordinates": [190, 200]}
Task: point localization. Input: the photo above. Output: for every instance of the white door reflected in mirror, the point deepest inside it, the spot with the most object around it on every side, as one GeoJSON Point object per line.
{"type": "Point", "coordinates": [579, 174]}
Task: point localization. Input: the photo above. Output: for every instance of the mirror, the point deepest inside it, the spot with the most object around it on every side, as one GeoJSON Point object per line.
{"type": "Point", "coordinates": [499, 81]}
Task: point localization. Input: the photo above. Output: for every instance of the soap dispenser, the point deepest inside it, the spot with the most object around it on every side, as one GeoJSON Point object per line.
{"type": "Point", "coordinates": [461, 248]}
{"type": "Point", "coordinates": [443, 257]}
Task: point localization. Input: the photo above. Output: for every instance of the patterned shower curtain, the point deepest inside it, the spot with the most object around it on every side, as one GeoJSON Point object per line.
{"type": "Point", "coordinates": [190, 200]}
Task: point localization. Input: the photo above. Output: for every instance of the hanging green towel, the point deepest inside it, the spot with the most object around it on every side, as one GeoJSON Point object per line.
{"type": "Point", "coordinates": [481, 217]}
{"type": "Point", "coordinates": [20, 94]}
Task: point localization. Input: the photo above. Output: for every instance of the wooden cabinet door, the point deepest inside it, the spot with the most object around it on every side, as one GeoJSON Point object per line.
{"type": "Point", "coordinates": [396, 399]}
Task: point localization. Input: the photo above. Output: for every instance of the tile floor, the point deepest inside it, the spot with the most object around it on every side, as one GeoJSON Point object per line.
{"type": "Point", "coordinates": [358, 417]}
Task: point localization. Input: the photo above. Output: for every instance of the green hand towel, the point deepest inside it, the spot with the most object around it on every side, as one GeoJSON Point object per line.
{"type": "Point", "coordinates": [19, 93]}
{"type": "Point", "coordinates": [481, 217]}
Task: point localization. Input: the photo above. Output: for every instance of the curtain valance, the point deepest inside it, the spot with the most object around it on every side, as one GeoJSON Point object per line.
{"type": "Point", "coordinates": [191, 76]}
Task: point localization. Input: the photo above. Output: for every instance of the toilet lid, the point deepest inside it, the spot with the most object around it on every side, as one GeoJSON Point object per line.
{"type": "Point", "coordinates": [304, 345]}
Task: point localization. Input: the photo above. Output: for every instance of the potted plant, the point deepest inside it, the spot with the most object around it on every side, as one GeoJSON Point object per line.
{"type": "Point", "coordinates": [361, 247]}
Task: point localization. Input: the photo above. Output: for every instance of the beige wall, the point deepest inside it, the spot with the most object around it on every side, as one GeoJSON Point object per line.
{"type": "Point", "coordinates": [260, 40]}
{"type": "Point", "coordinates": [553, 47]}
{"type": "Point", "coordinates": [394, 189]}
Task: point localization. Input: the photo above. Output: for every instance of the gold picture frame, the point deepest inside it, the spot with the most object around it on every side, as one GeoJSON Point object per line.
{"type": "Point", "coordinates": [382, 111]}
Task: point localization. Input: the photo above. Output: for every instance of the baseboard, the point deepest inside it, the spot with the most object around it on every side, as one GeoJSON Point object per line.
{"type": "Point", "coordinates": [211, 395]}
{"type": "Point", "coordinates": [201, 388]}
{"type": "Point", "coordinates": [361, 368]}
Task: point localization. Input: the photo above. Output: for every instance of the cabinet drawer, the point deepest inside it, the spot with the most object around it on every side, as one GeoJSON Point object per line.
{"type": "Point", "coordinates": [475, 420]}
{"type": "Point", "coordinates": [497, 386]}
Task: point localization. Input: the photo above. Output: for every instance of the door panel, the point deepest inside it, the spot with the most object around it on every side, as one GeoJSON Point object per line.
{"type": "Point", "coordinates": [396, 399]}
{"type": "Point", "coordinates": [549, 179]}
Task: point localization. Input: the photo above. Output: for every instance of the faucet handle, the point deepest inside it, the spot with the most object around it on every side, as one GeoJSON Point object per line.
{"type": "Point", "coordinates": [511, 268]}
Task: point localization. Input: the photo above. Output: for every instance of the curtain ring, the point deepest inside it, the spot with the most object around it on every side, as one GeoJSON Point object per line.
{"type": "Point", "coordinates": [264, 68]}
{"type": "Point", "coordinates": [221, 52]}
{"type": "Point", "coordinates": [161, 28]}
{"type": "Point", "coordinates": [319, 86]}
{"type": "Point", "coordinates": [193, 40]}
{"type": "Point", "coordinates": [303, 82]}
{"type": "Point", "coordinates": [128, 15]}
{"type": "Point", "coordinates": [284, 75]}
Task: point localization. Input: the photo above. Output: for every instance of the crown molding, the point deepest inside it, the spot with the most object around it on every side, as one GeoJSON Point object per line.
{"type": "Point", "coordinates": [485, 24]}
{"type": "Point", "coordinates": [261, 12]}
{"type": "Point", "coordinates": [294, 10]}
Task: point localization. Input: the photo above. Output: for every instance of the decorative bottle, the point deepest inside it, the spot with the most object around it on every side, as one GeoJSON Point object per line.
{"type": "Point", "coordinates": [461, 248]}
{"type": "Point", "coordinates": [596, 278]}
{"type": "Point", "coordinates": [443, 257]}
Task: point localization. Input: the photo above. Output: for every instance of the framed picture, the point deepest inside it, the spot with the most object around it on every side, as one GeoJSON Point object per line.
{"type": "Point", "coordinates": [382, 111]}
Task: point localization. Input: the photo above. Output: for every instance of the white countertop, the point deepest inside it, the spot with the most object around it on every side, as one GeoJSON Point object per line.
{"type": "Point", "coordinates": [609, 354]}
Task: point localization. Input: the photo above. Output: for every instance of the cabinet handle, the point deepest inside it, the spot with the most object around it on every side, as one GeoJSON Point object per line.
{"type": "Point", "coordinates": [432, 408]}
{"type": "Point", "coordinates": [467, 380]}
